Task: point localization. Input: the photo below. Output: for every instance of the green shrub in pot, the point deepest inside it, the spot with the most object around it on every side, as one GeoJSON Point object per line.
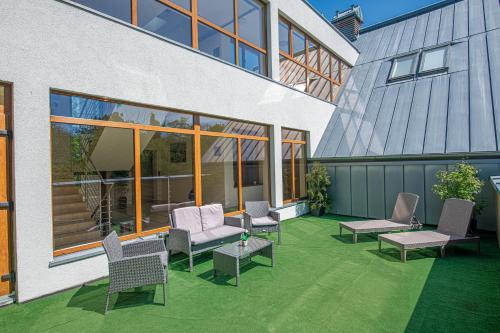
{"type": "Point", "coordinates": [318, 181]}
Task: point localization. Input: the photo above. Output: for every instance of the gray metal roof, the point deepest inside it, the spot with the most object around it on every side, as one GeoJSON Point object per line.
{"type": "Point", "coordinates": [453, 112]}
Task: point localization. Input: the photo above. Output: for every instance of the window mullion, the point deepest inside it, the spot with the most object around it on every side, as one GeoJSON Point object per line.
{"type": "Point", "coordinates": [194, 23]}
{"type": "Point", "coordinates": [137, 173]}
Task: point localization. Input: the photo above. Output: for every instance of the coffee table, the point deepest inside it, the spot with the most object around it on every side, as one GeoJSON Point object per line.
{"type": "Point", "coordinates": [230, 258]}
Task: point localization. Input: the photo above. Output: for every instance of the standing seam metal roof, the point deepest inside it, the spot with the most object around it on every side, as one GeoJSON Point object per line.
{"type": "Point", "coordinates": [453, 112]}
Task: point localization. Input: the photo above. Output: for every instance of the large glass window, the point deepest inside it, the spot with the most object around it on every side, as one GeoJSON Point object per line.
{"type": "Point", "coordinates": [163, 20]}
{"type": "Point", "coordinates": [294, 161]}
{"type": "Point", "coordinates": [215, 43]}
{"type": "Point", "coordinates": [251, 21]}
{"type": "Point", "coordinates": [255, 170]}
{"type": "Point", "coordinates": [218, 156]}
{"type": "Point", "coordinates": [94, 109]}
{"type": "Point", "coordinates": [315, 70]}
{"type": "Point", "coordinates": [221, 30]}
{"type": "Point", "coordinates": [167, 176]}
{"type": "Point", "coordinates": [220, 12]}
{"type": "Point", "coordinates": [125, 167]}
{"type": "Point", "coordinates": [121, 9]}
{"type": "Point", "coordinates": [251, 59]}
{"type": "Point", "coordinates": [93, 189]}
{"type": "Point", "coordinates": [284, 33]}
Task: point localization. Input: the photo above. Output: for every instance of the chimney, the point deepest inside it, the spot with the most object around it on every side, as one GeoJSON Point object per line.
{"type": "Point", "coordinates": [349, 22]}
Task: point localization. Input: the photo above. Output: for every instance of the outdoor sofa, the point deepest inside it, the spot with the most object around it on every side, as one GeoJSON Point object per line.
{"type": "Point", "coordinates": [403, 218]}
{"type": "Point", "coordinates": [135, 265]}
{"type": "Point", "coordinates": [200, 229]}
{"type": "Point", "coordinates": [258, 217]}
{"type": "Point", "coordinates": [452, 228]}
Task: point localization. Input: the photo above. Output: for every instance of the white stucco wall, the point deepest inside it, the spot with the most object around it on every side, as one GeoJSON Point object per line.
{"type": "Point", "coordinates": [49, 44]}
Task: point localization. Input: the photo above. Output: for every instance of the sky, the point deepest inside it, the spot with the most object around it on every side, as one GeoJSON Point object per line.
{"type": "Point", "coordinates": [374, 11]}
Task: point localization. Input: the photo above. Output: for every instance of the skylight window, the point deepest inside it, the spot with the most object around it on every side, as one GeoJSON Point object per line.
{"type": "Point", "coordinates": [403, 67]}
{"type": "Point", "coordinates": [433, 60]}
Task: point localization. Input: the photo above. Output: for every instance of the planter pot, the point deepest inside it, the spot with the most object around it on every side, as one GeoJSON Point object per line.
{"type": "Point", "coordinates": [318, 212]}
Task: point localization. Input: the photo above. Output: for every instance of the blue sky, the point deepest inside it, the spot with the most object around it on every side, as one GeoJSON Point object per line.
{"type": "Point", "coordinates": [374, 10]}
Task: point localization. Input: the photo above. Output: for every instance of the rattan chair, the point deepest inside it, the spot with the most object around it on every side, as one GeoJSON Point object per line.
{"type": "Point", "coordinates": [135, 265]}
{"type": "Point", "coordinates": [258, 217]}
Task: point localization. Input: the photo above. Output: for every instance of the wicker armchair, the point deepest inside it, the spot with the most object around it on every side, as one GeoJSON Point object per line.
{"type": "Point", "coordinates": [135, 265]}
{"type": "Point", "coordinates": [258, 217]}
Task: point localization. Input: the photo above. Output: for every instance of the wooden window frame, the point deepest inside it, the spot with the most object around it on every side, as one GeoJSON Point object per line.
{"type": "Point", "coordinates": [316, 69]}
{"type": "Point", "coordinates": [196, 132]}
{"type": "Point", "coordinates": [195, 19]}
{"type": "Point", "coordinates": [293, 143]}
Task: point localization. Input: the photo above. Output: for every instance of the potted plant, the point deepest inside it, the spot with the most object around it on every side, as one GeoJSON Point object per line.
{"type": "Point", "coordinates": [318, 181]}
{"type": "Point", "coordinates": [463, 183]}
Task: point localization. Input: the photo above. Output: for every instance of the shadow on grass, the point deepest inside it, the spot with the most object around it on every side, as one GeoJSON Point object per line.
{"type": "Point", "coordinates": [461, 292]}
{"type": "Point", "coordinates": [180, 261]}
{"type": "Point", "coordinates": [362, 238]}
{"type": "Point", "coordinates": [92, 298]}
{"type": "Point", "coordinates": [223, 279]}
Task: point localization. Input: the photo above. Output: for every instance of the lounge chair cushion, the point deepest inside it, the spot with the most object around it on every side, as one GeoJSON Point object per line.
{"type": "Point", "coordinates": [212, 216]}
{"type": "Point", "coordinates": [418, 239]}
{"type": "Point", "coordinates": [264, 221]}
{"type": "Point", "coordinates": [374, 226]}
{"type": "Point", "coordinates": [215, 234]}
{"type": "Point", "coordinates": [188, 218]}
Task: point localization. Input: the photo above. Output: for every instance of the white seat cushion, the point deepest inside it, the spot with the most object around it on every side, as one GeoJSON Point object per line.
{"type": "Point", "coordinates": [263, 221]}
{"type": "Point", "coordinates": [215, 234]}
{"type": "Point", "coordinates": [212, 216]}
{"type": "Point", "coordinates": [187, 218]}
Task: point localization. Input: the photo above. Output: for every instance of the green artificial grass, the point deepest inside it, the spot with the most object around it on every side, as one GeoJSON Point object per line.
{"type": "Point", "coordinates": [321, 283]}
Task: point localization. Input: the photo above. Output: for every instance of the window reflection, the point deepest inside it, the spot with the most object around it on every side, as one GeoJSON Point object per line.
{"type": "Point", "coordinates": [165, 21]}
{"type": "Point", "coordinates": [292, 74]}
{"type": "Point", "coordinates": [121, 9]}
{"type": "Point", "coordinates": [284, 37]}
{"type": "Point", "coordinates": [251, 59]}
{"type": "Point", "coordinates": [255, 170]}
{"type": "Point", "coordinates": [335, 69]}
{"type": "Point", "coordinates": [167, 176]}
{"type": "Point", "coordinates": [300, 171]}
{"type": "Point", "coordinates": [319, 87]}
{"type": "Point", "coordinates": [232, 127]}
{"type": "Point", "coordinates": [286, 151]}
{"type": "Point", "coordinates": [216, 43]}
{"type": "Point", "coordinates": [325, 62]}
{"type": "Point", "coordinates": [218, 156]}
{"type": "Point", "coordinates": [186, 4]}
{"type": "Point", "coordinates": [312, 57]}
{"type": "Point", "coordinates": [220, 12]}
{"type": "Point", "coordinates": [93, 190]}
{"type": "Point", "coordinates": [251, 20]}
{"type": "Point", "coordinates": [88, 108]}
{"type": "Point", "coordinates": [299, 46]}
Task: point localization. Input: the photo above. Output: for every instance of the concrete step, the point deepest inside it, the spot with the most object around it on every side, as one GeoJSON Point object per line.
{"type": "Point", "coordinates": [67, 198]}
{"type": "Point", "coordinates": [65, 190]}
{"type": "Point", "coordinates": [70, 208]}
{"type": "Point", "coordinates": [72, 217]}
{"type": "Point", "coordinates": [61, 229]}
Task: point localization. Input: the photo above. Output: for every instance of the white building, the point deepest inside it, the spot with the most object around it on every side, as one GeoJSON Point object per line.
{"type": "Point", "coordinates": [123, 110]}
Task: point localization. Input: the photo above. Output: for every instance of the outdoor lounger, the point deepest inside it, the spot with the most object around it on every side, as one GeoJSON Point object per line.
{"type": "Point", "coordinates": [452, 228]}
{"type": "Point", "coordinates": [403, 218]}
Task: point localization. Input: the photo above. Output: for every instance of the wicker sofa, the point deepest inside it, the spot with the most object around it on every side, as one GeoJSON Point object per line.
{"type": "Point", "coordinates": [200, 229]}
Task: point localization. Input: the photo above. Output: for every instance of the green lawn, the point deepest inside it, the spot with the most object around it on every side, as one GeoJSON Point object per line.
{"type": "Point", "coordinates": [320, 283]}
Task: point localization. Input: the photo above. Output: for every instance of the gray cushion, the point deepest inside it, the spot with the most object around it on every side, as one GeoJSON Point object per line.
{"type": "Point", "coordinates": [187, 218]}
{"type": "Point", "coordinates": [212, 216]}
{"type": "Point", "coordinates": [215, 234]}
{"type": "Point", "coordinates": [263, 221]}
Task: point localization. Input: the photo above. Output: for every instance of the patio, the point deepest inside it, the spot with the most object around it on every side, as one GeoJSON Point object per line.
{"type": "Point", "coordinates": [320, 283]}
